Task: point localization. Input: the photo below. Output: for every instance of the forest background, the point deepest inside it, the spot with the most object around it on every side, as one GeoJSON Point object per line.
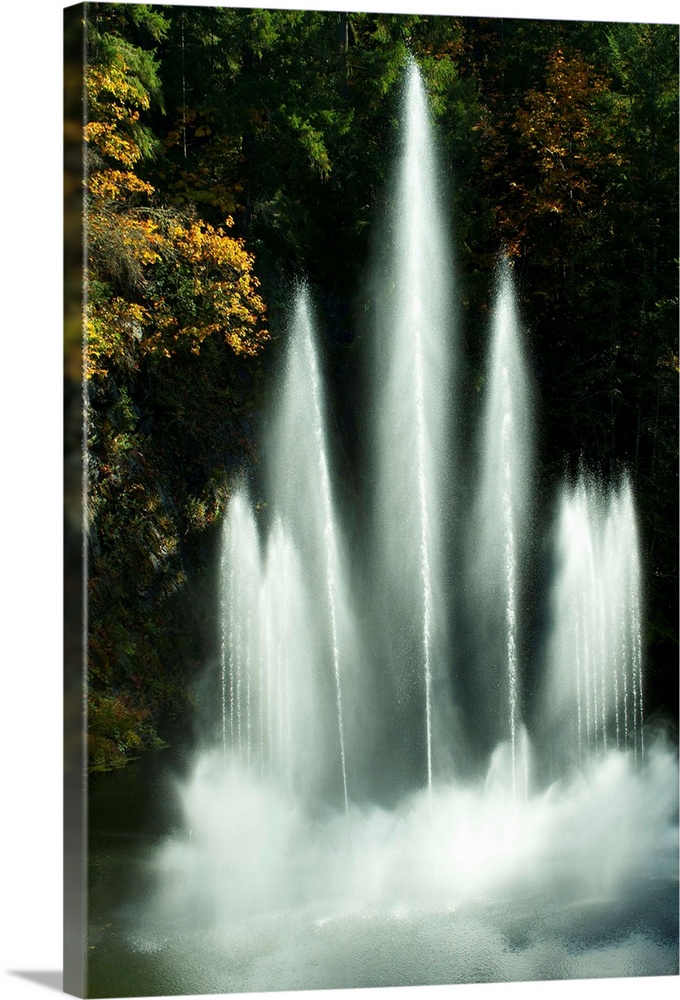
{"type": "Point", "coordinates": [32, 729]}
{"type": "Point", "coordinates": [230, 151]}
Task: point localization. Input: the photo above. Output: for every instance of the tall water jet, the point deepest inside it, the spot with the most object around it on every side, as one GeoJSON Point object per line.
{"type": "Point", "coordinates": [301, 485]}
{"type": "Point", "coordinates": [414, 336]}
{"type": "Point", "coordinates": [633, 612]}
{"type": "Point", "coordinates": [501, 517]}
{"type": "Point", "coordinates": [593, 695]}
{"type": "Point", "coordinates": [284, 650]}
{"type": "Point", "coordinates": [287, 661]}
{"type": "Point", "coordinates": [239, 583]}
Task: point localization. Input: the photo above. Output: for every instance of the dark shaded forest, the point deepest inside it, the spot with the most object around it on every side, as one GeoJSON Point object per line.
{"type": "Point", "coordinates": [228, 152]}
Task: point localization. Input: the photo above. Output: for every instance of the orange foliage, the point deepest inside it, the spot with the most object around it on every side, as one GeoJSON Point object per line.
{"type": "Point", "coordinates": [156, 278]}
{"type": "Point", "coordinates": [557, 126]}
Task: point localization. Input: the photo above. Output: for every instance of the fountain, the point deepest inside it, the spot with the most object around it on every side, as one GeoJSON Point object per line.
{"type": "Point", "coordinates": [287, 612]}
{"type": "Point", "coordinates": [336, 834]}
{"type": "Point", "coordinates": [595, 697]}
{"type": "Point", "coordinates": [412, 362]}
{"type": "Point", "coordinates": [500, 521]}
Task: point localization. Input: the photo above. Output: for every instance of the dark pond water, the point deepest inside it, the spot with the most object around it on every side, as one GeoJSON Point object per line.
{"type": "Point", "coordinates": [131, 812]}
{"type": "Point", "coordinates": [137, 947]}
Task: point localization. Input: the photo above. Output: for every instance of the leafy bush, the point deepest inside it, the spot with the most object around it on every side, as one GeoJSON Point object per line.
{"type": "Point", "coordinates": [117, 731]}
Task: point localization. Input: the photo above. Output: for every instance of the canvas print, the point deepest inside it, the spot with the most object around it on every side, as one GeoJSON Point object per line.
{"type": "Point", "coordinates": [372, 522]}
